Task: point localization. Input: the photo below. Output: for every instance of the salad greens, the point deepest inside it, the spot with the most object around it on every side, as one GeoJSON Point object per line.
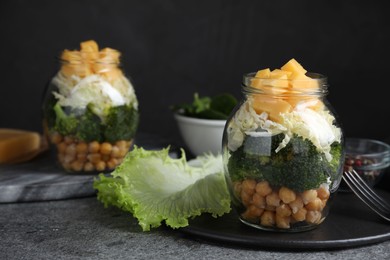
{"type": "Point", "coordinates": [155, 187]}
{"type": "Point", "coordinates": [216, 107]}
{"type": "Point", "coordinates": [298, 166]}
{"type": "Point", "coordinates": [92, 108]}
{"type": "Point", "coordinates": [120, 124]}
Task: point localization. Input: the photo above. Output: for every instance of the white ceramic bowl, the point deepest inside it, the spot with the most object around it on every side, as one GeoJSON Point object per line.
{"type": "Point", "coordinates": [201, 135]}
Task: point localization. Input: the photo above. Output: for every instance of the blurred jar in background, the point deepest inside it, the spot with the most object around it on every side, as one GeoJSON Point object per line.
{"type": "Point", "coordinates": [90, 110]}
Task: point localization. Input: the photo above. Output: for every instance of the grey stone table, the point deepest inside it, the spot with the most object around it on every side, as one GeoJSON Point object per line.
{"type": "Point", "coordinates": [71, 227]}
{"type": "Point", "coordinates": [83, 229]}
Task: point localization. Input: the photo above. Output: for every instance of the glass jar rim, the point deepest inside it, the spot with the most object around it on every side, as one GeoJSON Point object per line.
{"type": "Point", "coordinates": [79, 59]}
{"type": "Point", "coordinates": [321, 80]}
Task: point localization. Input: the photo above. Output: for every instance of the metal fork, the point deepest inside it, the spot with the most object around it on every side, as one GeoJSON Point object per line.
{"type": "Point", "coordinates": [367, 194]}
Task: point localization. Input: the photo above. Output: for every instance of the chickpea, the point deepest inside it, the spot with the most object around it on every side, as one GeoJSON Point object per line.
{"type": "Point", "coordinates": [282, 222]}
{"type": "Point", "coordinates": [68, 139]}
{"type": "Point", "coordinates": [94, 157]}
{"type": "Point", "coordinates": [94, 147]}
{"type": "Point", "coordinates": [246, 198]}
{"type": "Point", "coordinates": [112, 163]}
{"type": "Point", "coordinates": [115, 152]}
{"type": "Point", "coordinates": [258, 201]}
{"type": "Point", "coordinates": [248, 185]}
{"type": "Point", "coordinates": [252, 212]}
{"type": "Point", "coordinates": [287, 195]}
{"type": "Point", "coordinates": [300, 215]}
{"type": "Point", "coordinates": [88, 167]}
{"type": "Point", "coordinates": [267, 219]}
{"type": "Point", "coordinates": [68, 158]}
{"type": "Point", "coordinates": [273, 199]}
{"type": "Point", "coordinates": [106, 148]}
{"type": "Point", "coordinates": [100, 166]}
{"type": "Point", "coordinates": [56, 138]}
{"type": "Point", "coordinates": [283, 210]}
{"type": "Point", "coordinates": [296, 204]}
{"type": "Point", "coordinates": [323, 192]}
{"type": "Point", "coordinates": [324, 203]}
{"type": "Point", "coordinates": [82, 148]}
{"type": "Point", "coordinates": [122, 144]}
{"type": "Point", "coordinates": [270, 208]}
{"type": "Point", "coordinates": [308, 195]}
{"type": "Point", "coordinates": [61, 147]}
{"type": "Point", "coordinates": [263, 188]}
{"type": "Point", "coordinates": [313, 217]}
{"type": "Point", "coordinates": [122, 152]}
{"type": "Point", "coordinates": [105, 157]}
{"type": "Point", "coordinates": [71, 149]}
{"type": "Point", "coordinates": [82, 157]}
{"type": "Point", "coordinates": [77, 166]}
{"type": "Point", "coordinates": [315, 205]}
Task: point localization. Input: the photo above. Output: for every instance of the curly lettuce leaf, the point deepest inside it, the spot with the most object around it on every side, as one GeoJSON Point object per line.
{"type": "Point", "coordinates": [155, 187]}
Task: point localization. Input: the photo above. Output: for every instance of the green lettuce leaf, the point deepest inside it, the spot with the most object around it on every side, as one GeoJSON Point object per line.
{"type": "Point", "coordinates": [155, 187]}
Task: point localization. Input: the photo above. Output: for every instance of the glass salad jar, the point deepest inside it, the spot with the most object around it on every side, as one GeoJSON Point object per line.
{"type": "Point", "coordinates": [283, 151]}
{"type": "Point", "coordinates": [90, 110]}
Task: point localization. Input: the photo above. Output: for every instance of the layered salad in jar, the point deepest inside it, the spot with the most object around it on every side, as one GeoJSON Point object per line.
{"type": "Point", "coordinates": [283, 150]}
{"type": "Point", "coordinates": [90, 109]}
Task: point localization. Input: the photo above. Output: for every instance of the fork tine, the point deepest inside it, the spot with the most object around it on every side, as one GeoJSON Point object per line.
{"type": "Point", "coordinates": [371, 193]}
{"type": "Point", "coordinates": [365, 196]}
{"type": "Point", "coordinates": [360, 192]}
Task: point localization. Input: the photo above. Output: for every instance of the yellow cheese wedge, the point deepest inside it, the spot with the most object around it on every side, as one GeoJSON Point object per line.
{"type": "Point", "coordinates": [272, 106]}
{"type": "Point", "coordinates": [260, 75]}
{"type": "Point", "coordinates": [278, 78]}
{"type": "Point", "coordinates": [108, 55]}
{"type": "Point", "coordinates": [302, 81]}
{"type": "Point", "coordinates": [89, 51]}
{"type": "Point", "coordinates": [89, 46]}
{"type": "Point", "coordinates": [294, 67]}
{"type": "Point", "coordinates": [74, 64]}
{"type": "Point", "coordinates": [16, 143]}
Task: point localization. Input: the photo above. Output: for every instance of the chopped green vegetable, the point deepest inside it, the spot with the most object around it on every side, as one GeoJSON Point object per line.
{"type": "Point", "coordinates": [298, 166]}
{"type": "Point", "coordinates": [121, 123]}
{"type": "Point", "coordinates": [89, 128]}
{"type": "Point", "coordinates": [64, 123]}
{"type": "Point", "coordinates": [217, 107]}
{"type": "Point", "coordinates": [155, 187]}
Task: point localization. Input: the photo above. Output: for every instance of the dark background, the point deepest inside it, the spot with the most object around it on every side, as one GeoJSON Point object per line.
{"type": "Point", "coordinates": [172, 49]}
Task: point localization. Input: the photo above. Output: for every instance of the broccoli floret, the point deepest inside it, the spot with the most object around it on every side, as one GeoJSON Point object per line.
{"type": "Point", "coordinates": [121, 123]}
{"type": "Point", "coordinates": [242, 165]}
{"type": "Point", "coordinates": [298, 166]}
{"type": "Point", "coordinates": [89, 128]}
{"type": "Point", "coordinates": [65, 124]}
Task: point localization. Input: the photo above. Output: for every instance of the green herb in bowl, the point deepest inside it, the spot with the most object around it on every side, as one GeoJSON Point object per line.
{"type": "Point", "coordinates": [216, 107]}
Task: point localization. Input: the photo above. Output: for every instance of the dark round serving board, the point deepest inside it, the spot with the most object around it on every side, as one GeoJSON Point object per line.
{"type": "Point", "coordinates": [350, 223]}
{"type": "Point", "coordinates": [43, 179]}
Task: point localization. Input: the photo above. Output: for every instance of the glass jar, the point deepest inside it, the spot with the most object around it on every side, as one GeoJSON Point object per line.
{"type": "Point", "coordinates": [90, 110]}
{"type": "Point", "coordinates": [283, 153]}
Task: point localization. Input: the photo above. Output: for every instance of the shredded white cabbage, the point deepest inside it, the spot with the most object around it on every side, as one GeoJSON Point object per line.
{"type": "Point", "coordinates": [247, 122]}
{"type": "Point", "coordinates": [78, 92]}
{"type": "Point", "coordinates": [316, 126]}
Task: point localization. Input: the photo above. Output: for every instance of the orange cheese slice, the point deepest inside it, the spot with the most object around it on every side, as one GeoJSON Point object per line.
{"type": "Point", "coordinates": [272, 106]}
{"type": "Point", "coordinates": [15, 144]}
